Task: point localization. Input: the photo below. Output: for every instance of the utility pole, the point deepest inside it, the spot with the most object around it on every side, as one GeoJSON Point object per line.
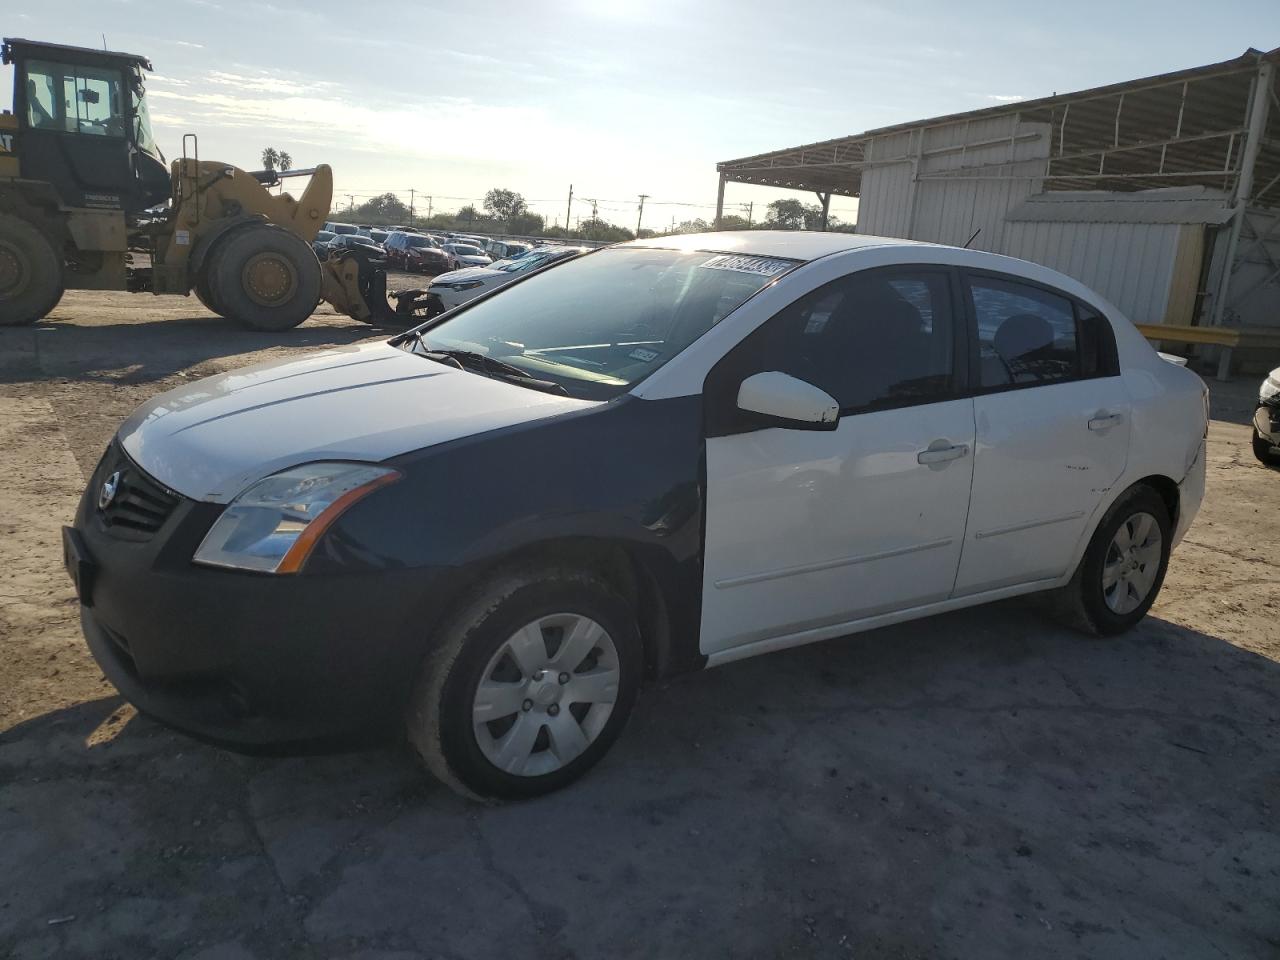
{"type": "Point", "coordinates": [673, 223]}
{"type": "Point", "coordinates": [411, 206]}
{"type": "Point", "coordinates": [429, 199]}
{"type": "Point", "coordinates": [750, 207]}
{"type": "Point", "coordinates": [568, 213]}
{"type": "Point", "coordinates": [640, 215]}
{"type": "Point", "coordinates": [351, 202]}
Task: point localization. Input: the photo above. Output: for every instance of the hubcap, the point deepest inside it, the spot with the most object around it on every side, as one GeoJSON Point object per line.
{"type": "Point", "coordinates": [13, 271]}
{"type": "Point", "coordinates": [1131, 564]}
{"type": "Point", "coordinates": [546, 695]}
{"type": "Point", "coordinates": [269, 279]}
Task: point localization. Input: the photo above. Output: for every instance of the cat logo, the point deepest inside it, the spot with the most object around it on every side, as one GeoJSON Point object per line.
{"type": "Point", "coordinates": [6, 142]}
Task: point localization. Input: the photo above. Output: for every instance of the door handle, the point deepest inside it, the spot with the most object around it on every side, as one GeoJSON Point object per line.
{"type": "Point", "coordinates": [1103, 421]}
{"type": "Point", "coordinates": [942, 454]}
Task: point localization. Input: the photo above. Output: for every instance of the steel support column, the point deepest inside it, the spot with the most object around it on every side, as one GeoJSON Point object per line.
{"type": "Point", "coordinates": [1259, 102]}
{"type": "Point", "coordinates": [826, 206]}
{"type": "Point", "coordinates": [720, 201]}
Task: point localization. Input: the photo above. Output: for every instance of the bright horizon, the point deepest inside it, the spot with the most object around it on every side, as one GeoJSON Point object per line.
{"type": "Point", "coordinates": [617, 100]}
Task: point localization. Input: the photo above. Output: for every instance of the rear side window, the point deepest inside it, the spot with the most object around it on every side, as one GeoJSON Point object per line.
{"type": "Point", "coordinates": [1031, 336]}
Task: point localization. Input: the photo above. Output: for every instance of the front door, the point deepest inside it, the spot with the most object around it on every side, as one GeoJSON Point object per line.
{"type": "Point", "coordinates": [807, 531]}
{"type": "Point", "coordinates": [1052, 431]}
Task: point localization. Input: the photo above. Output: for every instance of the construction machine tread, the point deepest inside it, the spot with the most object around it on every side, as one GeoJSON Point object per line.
{"type": "Point", "coordinates": [289, 265]}
{"type": "Point", "coordinates": [31, 281]}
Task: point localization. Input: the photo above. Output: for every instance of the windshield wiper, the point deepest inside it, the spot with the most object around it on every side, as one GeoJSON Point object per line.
{"type": "Point", "coordinates": [482, 363]}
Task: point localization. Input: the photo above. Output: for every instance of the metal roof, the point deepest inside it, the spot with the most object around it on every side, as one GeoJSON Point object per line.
{"type": "Point", "coordinates": [1184, 127]}
{"type": "Point", "coordinates": [38, 47]}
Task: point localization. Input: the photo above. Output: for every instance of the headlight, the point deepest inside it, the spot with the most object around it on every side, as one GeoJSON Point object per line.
{"type": "Point", "coordinates": [1270, 387]}
{"type": "Point", "coordinates": [275, 523]}
{"type": "Point", "coordinates": [468, 285]}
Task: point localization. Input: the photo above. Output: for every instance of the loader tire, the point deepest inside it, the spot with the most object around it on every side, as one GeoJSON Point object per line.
{"type": "Point", "coordinates": [31, 280]}
{"type": "Point", "coordinates": [204, 294]}
{"type": "Point", "coordinates": [264, 277]}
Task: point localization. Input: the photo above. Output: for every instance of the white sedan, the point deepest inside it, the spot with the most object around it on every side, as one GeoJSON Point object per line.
{"type": "Point", "coordinates": [665, 456]}
{"type": "Point", "coordinates": [458, 286]}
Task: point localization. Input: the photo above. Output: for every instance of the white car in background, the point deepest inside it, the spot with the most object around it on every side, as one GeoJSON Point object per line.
{"type": "Point", "coordinates": [458, 286]}
{"type": "Point", "coordinates": [468, 255]}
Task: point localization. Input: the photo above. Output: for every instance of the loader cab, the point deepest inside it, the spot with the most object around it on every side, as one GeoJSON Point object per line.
{"type": "Point", "coordinates": [83, 126]}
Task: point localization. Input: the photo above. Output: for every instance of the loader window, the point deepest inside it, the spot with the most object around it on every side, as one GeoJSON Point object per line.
{"type": "Point", "coordinates": [74, 99]}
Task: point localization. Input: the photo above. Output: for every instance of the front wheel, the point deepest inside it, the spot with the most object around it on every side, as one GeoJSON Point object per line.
{"type": "Point", "coordinates": [31, 281]}
{"type": "Point", "coordinates": [1124, 566]}
{"type": "Point", "coordinates": [528, 685]}
{"type": "Point", "coordinates": [1264, 450]}
{"type": "Point", "coordinates": [264, 277]}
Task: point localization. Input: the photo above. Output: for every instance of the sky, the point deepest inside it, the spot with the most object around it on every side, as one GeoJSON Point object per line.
{"type": "Point", "coordinates": [616, 99]}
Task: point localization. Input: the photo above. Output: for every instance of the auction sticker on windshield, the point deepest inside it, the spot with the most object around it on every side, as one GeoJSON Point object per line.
{"type": "Point", "coordinates": [764, 266]}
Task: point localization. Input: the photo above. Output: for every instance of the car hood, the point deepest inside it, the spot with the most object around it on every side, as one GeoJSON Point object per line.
{"type": "Point", "coordinates": [210, 439]}
{"type": "Point", "coordinates": [467, 273]}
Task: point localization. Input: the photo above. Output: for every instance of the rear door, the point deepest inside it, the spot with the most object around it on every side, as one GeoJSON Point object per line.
{"type": "Point", "coordinates": [1052, 420]}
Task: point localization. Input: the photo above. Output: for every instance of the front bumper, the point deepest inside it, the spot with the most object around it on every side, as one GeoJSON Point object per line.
{"type": "Point", "coordinates": [242, 659]}
{"type": "Point", "coordinates": [1266, 420]}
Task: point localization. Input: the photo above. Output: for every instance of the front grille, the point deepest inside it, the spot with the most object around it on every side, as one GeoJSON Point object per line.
{"type": "Point", "coordinates": [140, 506]}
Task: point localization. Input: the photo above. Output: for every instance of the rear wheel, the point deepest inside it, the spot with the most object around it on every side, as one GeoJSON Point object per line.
{"type": "Point", "coordinates": [31, 281]}
{"type": "Point", "coordinates": [264, 277]}
{"type": "Point", "coordinates": [1123, 568]}
{"type": "Point", "coordinates": [529, 686]}
{"type": "Point", "coordinates": [1264, 450]}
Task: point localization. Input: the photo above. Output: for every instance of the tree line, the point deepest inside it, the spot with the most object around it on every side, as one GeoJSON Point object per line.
{"type": "Point", "coordinates": [505, 211]}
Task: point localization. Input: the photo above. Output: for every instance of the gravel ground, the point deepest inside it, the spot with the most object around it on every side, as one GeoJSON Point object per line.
{"type": "Point", "coordinates": [980, 784]}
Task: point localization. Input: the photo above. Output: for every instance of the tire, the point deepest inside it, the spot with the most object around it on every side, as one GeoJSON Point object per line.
{"type": "Point", "coordinates": [1262, 450]}
{"type": "Point", "coordinates": [203, 293]}
{"type": "Point", "coordinates": [31, 281]}
{"type": "Point", "coordinates": [476, 645]}
{"type": "Point", "coordinates": [282, 263]}
{"type": "Point", "coordinates": [1110, 606]}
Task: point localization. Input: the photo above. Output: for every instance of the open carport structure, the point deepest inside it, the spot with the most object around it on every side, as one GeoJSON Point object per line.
{"type": "Point", "coordinates": [1162, 193]}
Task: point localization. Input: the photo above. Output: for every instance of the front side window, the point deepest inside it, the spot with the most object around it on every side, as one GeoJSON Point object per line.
{"type": "Point", "coordinates": [1026, 335]}
{"type": "Point", "coordinates": [599, 324]}
{"type": "Point", "coordinates": [74, 99]}
{"type": "Point", "coordinates": [873, 340]}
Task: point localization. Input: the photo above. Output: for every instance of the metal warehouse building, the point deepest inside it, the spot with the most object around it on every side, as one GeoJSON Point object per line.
{"type": "Point", "coordinates": [1163, 194]}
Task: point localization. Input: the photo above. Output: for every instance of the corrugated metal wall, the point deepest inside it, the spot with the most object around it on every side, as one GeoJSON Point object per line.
{"type": "Point", "coordinates": [950, 210]}
{"type": "Point", "coordinates": [1131, 264]}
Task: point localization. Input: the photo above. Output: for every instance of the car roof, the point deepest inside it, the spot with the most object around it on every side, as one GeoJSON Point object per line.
{"type": "Point", "coordinates": [792, 244]}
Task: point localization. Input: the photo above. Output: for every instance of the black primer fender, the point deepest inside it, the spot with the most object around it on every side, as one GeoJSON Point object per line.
{"type": "Point", "coordinates": [628, 474]}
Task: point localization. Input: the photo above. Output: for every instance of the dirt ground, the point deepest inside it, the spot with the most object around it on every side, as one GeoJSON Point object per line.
{"type": "Point", "coordinates": [980, 784]}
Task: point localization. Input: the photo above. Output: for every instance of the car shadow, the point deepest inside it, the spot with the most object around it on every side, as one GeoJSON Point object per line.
{"type": "Point", "coordinates": [981, 783]}
{"type": "Point", "coordinates": [154, 350]}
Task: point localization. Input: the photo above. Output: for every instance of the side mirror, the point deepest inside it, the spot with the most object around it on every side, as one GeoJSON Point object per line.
{"type": "Point", "coordinates": [788, 401]}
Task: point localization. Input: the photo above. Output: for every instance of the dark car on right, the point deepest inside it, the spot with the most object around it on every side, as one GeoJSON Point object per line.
{"type": "Point", "coordinates": [1266, 421]}
{"type": "Point", "coordinates": [417, 253]}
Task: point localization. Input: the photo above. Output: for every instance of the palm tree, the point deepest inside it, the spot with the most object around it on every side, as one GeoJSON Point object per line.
{"type": "Point", "coordinates": [286, 161]}
{"type": "Point", "coordinates": [270, 158]}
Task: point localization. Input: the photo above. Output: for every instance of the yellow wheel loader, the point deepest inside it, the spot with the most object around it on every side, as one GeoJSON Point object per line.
{"type": "Point", "coordinates": [87, 203]}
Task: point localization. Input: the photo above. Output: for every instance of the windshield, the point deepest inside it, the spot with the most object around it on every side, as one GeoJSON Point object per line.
{"type": "Point", "coordinates": [421, 242]}
{"type": "Point", "coordinates": [531, 262]}
{"type": "Point", "coordinates": [142, 120]}
{"type": "Point", "coordinates": [598, 324]}
{"type": "Point", "coordinates": [465, 251]}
